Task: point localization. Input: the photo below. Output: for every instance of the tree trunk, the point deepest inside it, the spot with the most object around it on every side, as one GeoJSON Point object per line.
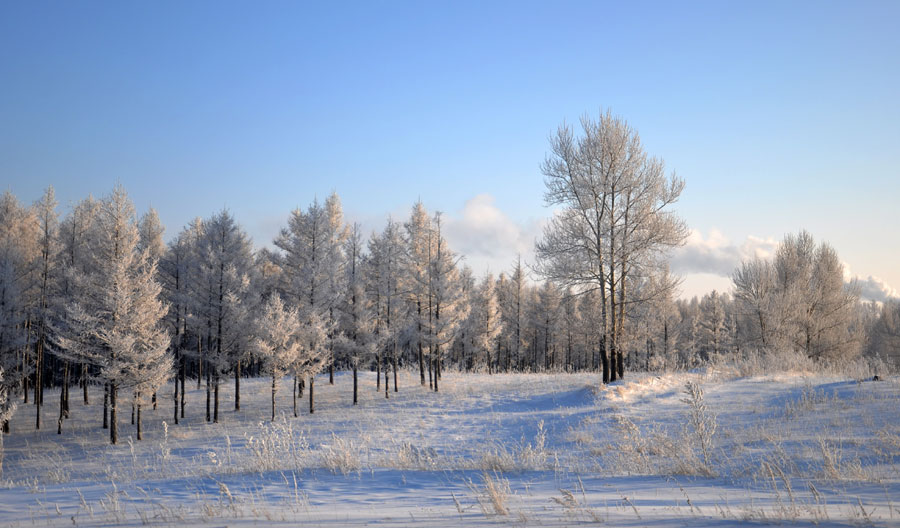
{"type": "Point", "coordinates": [216, 400]}
{"type": "Point", "coordinates": [105, 405]}
{"type": "Point", "coordinates": [620, 363]}
{"type": "Point", "coordinates": [421, 365]}
{"type": "Point", "coordinates": [431, 369]}
{"type": "Point", "coordinates": [274, 386]}
{"type": "Point", "coordinates": [355, 396]}
{"type": "Point", "coordinates": [38, 383]}
{"type": "Point", "coordinates": [604, 359]}
{"type": "Point", "coordinates": [295, 396]}
{"type": "Point", "coordinates": [139, 435]}
{"type": "Point", "coordinates": [153, 400]}
{"type": "Point", "coordinates": [237, 386]}
{"type": "Point", "coordinates": [208, 396]}
{"type": "Point", "coordinates": [395, 368]}
{"type": "Point", "coordinates": [387, 384]}
{"type": "Point", "coordinates": [437, 369]}
{"type": "Point", "coordinates": [183, 376]}
{"type": "Point", "coordinates": [64, 392]}
{"type": "Point", "coordinates": [312, 407]}
{"type": "Point", "coordinates": [175, 399]}
{"type": "Point", "coordinates": [113, 425]}
{"type": "Point", "coordinates": [378, 373]}
{"type": "Point", "coordinates": [133, 396]}
{"type": "Point", "coordinates": [84, 382]}
{"type": "Point", "coordinates": [59, 420]}
{"type": "Point", "coordinates": [331, 370]}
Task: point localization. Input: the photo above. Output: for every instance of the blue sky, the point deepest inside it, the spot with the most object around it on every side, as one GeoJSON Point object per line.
{"type": "Point", "coordinates": [779, 116]}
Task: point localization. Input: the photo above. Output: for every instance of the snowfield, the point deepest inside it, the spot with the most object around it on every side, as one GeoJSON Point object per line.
{"type": "Point", "coordinates": [517, 449]}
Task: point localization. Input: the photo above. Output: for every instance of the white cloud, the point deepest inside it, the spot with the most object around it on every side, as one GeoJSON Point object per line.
{"type": "Point", "coordinates": [871, 288]}
{"type": "Point", "coordinates": [716, 254]}
{"type": "Point", "coordinates": [487, 237]}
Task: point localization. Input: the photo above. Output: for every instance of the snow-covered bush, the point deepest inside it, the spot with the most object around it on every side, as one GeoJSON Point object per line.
{"type": "Point", "coordinates": [342, 455]}
{"type": "Point", "coordinates": [277, 446]}
{"type": "Point", "coordinates": [702, 421]}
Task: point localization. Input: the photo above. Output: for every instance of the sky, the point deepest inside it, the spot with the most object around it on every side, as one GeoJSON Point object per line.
{"type": "Point", "coordinates": [779, 116]}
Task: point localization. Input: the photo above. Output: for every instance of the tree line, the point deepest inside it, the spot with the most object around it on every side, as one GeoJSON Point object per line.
{"type": "Point", "coordinates": [97, 297]}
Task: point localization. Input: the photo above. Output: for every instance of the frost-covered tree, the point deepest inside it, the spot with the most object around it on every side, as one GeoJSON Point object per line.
{"type": "Point", "coordinates": [885, 333]}
{"type": "Point", "coordinates": [799, 300]}
{"type": "Point", "coordinates": [487, 322]}
{"type": "Point", "coordinates": [48, 244]}
{"type": "Point", "coordinates": [312, 262]}
{"type": "Point", "coordinates": [19, 250]}
{"type": "Point", "coordinates": [117, 321]}
{"type": "Point", "coordinates": [547, 316]}
{"type": "Point", "coordinates": [7, 409]}
{"type": "Point", "coordinates": [279, 340]}
{"type": "Point", "coordinates": [512, 305]}
{"type": "Point", "coordinates": [449, 310]}
{"type": "Point", "coordinates": [75, 259]}
{"type": "Point", "coordinates": [420, 248]}
{"type": "Point", "coordinates": [357, 323]}
{"type": "Point", "coordinates": [713, 323]}
{"type": "Point", "coordinates": [386, 288]}
{"type": "Point", "coordinates": [614, 224]}
{"type": "Point", "coordinates": [225, 259]}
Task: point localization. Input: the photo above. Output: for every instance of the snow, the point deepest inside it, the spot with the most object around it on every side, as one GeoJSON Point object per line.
{"type": "Point", "coordinates": [517, 449]}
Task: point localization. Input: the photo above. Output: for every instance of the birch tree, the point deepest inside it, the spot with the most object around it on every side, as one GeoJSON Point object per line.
{"type": "Point", "coordinates": [613, 225]}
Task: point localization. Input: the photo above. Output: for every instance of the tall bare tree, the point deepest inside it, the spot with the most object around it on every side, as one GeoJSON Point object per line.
{"type": "Point", "coordinates": [613, 229]}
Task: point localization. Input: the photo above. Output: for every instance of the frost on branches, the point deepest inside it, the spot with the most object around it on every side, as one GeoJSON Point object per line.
{"type": "Point", "coordinates": [116, 323]}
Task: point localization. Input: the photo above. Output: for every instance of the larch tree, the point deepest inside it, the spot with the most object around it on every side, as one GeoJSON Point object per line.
{"type": "Point", "coordinates": [19, 249]}
{"type": "Point", "coordinates": [48, 244]}
{"type": "Point", "coordinates": [420, 247]}
{"type": "Point", "coordinates": [75, 259]}
{"type": "Point", "coordinates": [226, 264]}
{"type": "Point", "coordinates": [513, 299]}
{"type": "Point", "coordinates": [279, 340]}
{"type": "Point", "coordinates": [357, 323]}
{"type": "Point", "coordinates": [117, 322]}
{"type": "Point", "coordinates": [174, 272]}
{"type": "Point", "coordinates": [488, 322]}
{"type": "Point", "coordinates": [151, 240]}
{"type": "Point", "coordinates": [386, 286]}
{"type": "Point", "coordinates": [312, 264]}
{"type": "Point", "coordinates": [448, 307]}
{"type": "Point", "coordinates": [7, 409]}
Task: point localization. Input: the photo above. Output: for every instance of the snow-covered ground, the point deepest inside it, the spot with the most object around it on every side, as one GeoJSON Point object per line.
{"type": "Point", "coordinates": [541, 449]}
